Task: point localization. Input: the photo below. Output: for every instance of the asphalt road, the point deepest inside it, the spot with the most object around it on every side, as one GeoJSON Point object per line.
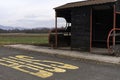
{"type": "Point", "coordinates": [26, 65]}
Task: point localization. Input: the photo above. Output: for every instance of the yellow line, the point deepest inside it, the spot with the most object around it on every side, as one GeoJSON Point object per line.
{"type": "Point", "coordinates": [54, 69]}
{"type": "Point", "coordinates": [39, 73]}
{"type": "Point", "coordinates": [22, 63]}
{"type": "Point", "coordinates": [61, 65]}
{"type": "Point", "coordinates": [42, 68]}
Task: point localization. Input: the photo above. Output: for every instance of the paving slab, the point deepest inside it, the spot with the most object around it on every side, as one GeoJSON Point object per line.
{"type": "Point", "coordinates": [68, 53]}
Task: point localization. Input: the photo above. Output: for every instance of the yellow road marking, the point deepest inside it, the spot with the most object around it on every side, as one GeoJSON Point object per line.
{"type": "Point", "coordinates": [15, 65]}
{"type": "Point", "coordinates": [40, 68]}
{"type": "Point", "coordinates": [48, 67]}
{"type": "Point", "coordinates": [61, 65]}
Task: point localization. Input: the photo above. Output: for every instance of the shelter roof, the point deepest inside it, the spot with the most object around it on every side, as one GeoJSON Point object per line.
{"type": "Point", "coordinates": [84, 3]}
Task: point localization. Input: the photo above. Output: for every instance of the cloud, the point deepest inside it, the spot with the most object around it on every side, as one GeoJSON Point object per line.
{"type": "Point", "coordinates": [29, 13]}
{"type": "Point", "coordinates": [35, 23]}
{"type": "Point", "coordinates": [31, 23]}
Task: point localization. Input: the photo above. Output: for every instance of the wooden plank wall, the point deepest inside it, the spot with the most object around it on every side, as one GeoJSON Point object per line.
{"type": "Point", "coordinates": [80, 38]}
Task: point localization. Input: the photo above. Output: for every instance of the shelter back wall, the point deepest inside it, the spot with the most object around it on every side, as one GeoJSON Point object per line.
{"type": "Point", "coordinates": [80, 30]}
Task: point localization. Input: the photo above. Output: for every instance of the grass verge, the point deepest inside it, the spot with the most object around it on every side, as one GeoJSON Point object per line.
{"type": "Point", "coordinates": [22, 38]}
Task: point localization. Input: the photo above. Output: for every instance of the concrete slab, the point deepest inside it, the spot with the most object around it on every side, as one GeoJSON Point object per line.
{"type": "Point", "coordinates": [72, 54]}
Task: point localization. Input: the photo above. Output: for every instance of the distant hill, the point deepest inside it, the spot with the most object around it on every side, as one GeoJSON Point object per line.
{"type": "Point", "coordinates": [10, 28]}
{"type": "Point", "coordinates": [6, 27]}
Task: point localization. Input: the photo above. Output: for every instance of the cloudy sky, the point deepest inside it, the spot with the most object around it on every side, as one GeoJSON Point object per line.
{"type": "Point", "coordinates": [29, 13]}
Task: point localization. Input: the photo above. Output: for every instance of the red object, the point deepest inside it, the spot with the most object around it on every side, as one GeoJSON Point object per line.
{"type": "Point", "coordinates": [108, 38]}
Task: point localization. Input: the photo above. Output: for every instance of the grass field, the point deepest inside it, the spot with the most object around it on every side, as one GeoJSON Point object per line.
{"type": "Point", "coordinates": [22, 38]}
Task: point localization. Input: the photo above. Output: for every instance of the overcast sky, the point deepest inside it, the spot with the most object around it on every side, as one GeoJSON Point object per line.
{"type": "Point", "coordinates": [29, 13]}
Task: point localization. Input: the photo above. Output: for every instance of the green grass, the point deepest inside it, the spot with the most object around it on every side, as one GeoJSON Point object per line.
{"type": "Point", "coordinates": [37, 39]}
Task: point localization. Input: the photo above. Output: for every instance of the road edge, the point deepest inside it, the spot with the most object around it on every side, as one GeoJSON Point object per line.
{"type": "Point", "coordinates": [70, 54]}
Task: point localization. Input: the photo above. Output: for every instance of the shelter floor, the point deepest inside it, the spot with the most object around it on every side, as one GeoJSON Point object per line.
{"type": "Point", "coordinates": [103, 51]}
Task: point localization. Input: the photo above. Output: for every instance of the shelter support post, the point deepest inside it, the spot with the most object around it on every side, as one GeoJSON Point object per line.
{"type": "Point", "coordinates": [66, 24]}
{"type": "Point", "coordinates": [91, 30]}
{"type": "Point", "coordinates": [114, 23]}
{"type": "Point", "coordinates": [56, 32]}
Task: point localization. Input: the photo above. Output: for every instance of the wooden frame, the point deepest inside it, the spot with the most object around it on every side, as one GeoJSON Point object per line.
{"type": "Point", "coordinates": [114, 23]}
{"type": "Point", "coordinates": [91, 30]}
{"type": "Point", "coordinates": [56, 32]}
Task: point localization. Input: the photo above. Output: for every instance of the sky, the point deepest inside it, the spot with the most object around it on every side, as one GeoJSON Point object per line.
{"type": "Point", "coordinates": [30, 13]}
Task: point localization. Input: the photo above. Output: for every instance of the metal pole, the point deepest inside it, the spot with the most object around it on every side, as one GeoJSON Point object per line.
{"type": "Point", "coordinates": [56, 32]}
{"type": "Point", "coordinates": [114, 24]}
{"type": "Point", "coordinates": [66, 24]}
{"type": "Point", "coordinates": [91, 30]}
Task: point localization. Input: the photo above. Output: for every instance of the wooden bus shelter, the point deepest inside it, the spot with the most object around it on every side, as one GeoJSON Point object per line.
{"type": "Point", "coordinates": [91, 23]}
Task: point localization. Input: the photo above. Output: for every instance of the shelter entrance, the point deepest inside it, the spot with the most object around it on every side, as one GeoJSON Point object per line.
{"type": "Point", "coordinates": [102, 23]}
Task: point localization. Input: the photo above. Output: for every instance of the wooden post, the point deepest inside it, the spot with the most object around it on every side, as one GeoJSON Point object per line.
{"type": "Point", "coordinates": [56, 32]}
{"type": "Point", "coordinates": [114, 23]}
{"type": "Point", "coordinates": [91, 30]}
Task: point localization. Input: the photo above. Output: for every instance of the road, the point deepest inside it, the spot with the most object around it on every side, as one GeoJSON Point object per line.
{"type": "Point", "coordinates": [26, 65]}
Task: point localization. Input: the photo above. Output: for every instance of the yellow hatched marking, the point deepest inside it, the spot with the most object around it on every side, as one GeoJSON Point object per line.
{"type": "Point", "coordinates": [54, 69]}
{"type": "Point", "coordinates": [40, 68]}
{"type": "Point", "coordinates": [13, 64]}
{"type": "Point", "coordinates": [61, 65]}
{"type": "Point", "coordinates": [39, 73]}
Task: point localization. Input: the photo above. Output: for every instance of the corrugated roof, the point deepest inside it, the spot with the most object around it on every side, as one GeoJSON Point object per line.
{"type": "Point", "coordinates": [85, 3]}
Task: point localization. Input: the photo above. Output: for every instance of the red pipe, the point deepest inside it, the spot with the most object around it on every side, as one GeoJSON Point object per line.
{"type": "Point", "coordinates": [108, 38]}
